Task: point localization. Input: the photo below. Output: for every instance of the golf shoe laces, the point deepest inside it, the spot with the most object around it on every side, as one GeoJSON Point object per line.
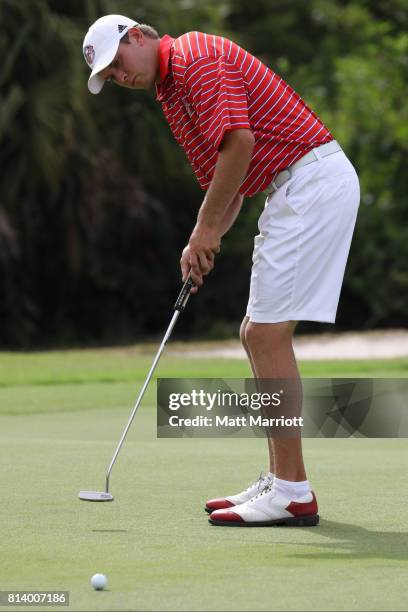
{"type": "Point", "coordinates": [264, 491]}
{"type": "Point", "coordinates": [260, 482]}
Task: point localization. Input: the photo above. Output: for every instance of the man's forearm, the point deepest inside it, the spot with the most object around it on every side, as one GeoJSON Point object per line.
{"type": "Point", "coordinates": [214, 218]}
{"type": "Point", "coordinates": [231, 214]}
{"type": "Point", "coordinates": [232, 165]}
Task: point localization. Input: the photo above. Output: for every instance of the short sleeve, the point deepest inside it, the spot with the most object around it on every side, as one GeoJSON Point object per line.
{"type": "Point", "coordinates": [216, 91]}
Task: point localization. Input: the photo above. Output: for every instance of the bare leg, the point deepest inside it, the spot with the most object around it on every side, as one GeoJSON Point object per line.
{"type": "Point", "coordinates": [242, 331]}
{"type": "Point", "coordinates": [272, 356]}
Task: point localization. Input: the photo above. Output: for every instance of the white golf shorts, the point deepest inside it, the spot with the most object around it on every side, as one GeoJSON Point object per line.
{"type": "Point", "coordinates": [305, 232]}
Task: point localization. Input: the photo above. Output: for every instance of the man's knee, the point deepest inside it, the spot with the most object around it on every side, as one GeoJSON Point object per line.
{"type": "Point", "coordinates": [268, 334]}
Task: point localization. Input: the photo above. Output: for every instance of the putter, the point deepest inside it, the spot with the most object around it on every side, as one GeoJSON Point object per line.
{"type": "Point", "coordinates": [104, 496]}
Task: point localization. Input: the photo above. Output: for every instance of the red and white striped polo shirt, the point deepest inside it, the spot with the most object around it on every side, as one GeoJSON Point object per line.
{"type": "Point", "coordinates": [210, 85]}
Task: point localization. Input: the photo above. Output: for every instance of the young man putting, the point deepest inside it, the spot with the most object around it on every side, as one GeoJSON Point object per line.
{"type": "Point", "coordinates": [245, 131]}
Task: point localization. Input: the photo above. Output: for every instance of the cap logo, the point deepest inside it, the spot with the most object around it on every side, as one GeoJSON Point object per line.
{"type": "Point", "coordinates": [89, 54]}
{"type": "Point", "coordinates": [121, 28]}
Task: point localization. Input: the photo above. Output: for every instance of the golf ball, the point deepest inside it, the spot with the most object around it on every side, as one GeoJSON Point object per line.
{"type": "Point", "coordinates": [99, 582]}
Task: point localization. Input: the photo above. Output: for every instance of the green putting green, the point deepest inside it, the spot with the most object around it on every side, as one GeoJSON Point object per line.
{"type": "Point", "coordinates": [61, 415]}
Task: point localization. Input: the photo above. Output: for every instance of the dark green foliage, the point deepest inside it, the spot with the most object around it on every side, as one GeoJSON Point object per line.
{"type": "Point", "coordinates": [97, 200]}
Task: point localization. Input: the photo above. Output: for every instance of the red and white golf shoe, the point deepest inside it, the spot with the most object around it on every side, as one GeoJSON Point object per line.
{"type": "Point", "coordinates": [233, 500]}
{"type": "Point", "coordinates": [270, 508]}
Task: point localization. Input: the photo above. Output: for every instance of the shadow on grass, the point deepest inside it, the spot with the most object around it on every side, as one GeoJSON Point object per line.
{"type": "Point", "coordinates": [350, 541]}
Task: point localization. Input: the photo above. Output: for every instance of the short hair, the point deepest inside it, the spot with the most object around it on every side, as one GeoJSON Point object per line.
{"type": "Point", "coordinates": [147, 30]}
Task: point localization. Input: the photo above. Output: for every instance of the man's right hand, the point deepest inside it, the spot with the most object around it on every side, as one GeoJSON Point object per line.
{"type": "Point", "coordinates": [202, 267]}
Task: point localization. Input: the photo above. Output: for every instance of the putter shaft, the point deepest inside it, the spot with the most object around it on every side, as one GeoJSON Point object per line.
{"type": "Point", "coordinates": [178, 308]}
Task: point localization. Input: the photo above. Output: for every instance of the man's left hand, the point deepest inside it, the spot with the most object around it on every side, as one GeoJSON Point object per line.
{"type": "Point", "coordinates": [204, 244]}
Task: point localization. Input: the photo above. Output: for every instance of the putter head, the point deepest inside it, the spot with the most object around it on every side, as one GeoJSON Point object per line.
{"type": "Point", "coordinates": [95, 496]}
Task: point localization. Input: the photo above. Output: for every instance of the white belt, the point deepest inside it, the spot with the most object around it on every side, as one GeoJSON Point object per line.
{"type": "Point", "coordinates": [313, 155]}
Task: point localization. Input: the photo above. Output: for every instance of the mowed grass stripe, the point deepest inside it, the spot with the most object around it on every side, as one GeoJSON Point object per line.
{"type": "Point", "coordinates": [115, 365]}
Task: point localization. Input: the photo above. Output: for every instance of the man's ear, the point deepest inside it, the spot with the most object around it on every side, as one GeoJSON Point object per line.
{"type": "Point", "coordinates": [136, 34]}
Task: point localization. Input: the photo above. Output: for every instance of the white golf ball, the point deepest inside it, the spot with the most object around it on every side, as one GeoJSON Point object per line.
{"type": "Point", "coordinates": [99, 582]}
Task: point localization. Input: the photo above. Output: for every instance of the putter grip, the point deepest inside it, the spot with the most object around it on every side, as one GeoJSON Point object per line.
{"type": "Point", "coordinates": [184, 295]}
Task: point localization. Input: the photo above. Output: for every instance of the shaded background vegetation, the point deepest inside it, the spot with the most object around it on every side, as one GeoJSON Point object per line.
{"type": "Point", "coordinates": [97, 200]}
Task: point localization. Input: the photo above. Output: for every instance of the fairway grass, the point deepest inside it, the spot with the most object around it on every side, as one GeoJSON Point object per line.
{"type": "Point", "coordinates": [61, 415]}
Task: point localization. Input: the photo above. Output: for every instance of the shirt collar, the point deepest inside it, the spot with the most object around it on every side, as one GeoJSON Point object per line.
{"type": "Point", "coordinates": [165, 45]}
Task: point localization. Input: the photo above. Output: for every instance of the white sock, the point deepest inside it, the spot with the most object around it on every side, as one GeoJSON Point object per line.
{"type": "Point", "coordinates": [290, 488]}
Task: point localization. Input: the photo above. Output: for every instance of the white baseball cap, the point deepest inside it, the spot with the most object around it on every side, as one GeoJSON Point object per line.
{"type": "Point", "coordinates": [101, 44]}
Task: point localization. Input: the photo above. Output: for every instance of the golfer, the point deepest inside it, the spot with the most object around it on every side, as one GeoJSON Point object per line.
{"type": "Point", "coordinates": [246, 131]}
